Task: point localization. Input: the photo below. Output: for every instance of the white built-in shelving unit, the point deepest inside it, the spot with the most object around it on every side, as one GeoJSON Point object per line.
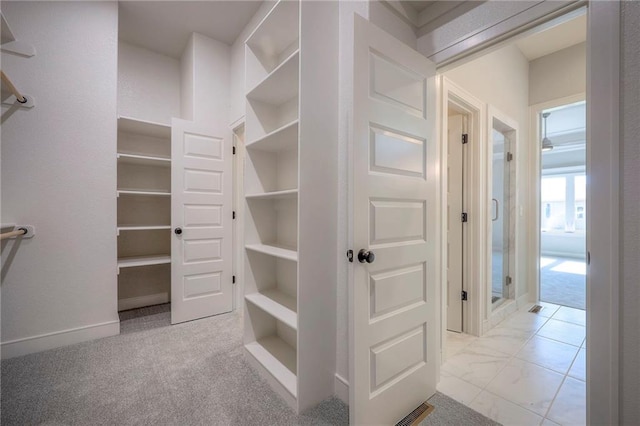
{"type": "Point", "coordinates": [144, 212]}
{"type": "Point", "coordinates": [290, 189]}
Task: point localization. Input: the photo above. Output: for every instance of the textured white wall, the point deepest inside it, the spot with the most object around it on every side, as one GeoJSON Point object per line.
{"type": "Point", "coordinates": [59, 170]}
{"type": "Point", "coordinates": [211, 68]}
{"type": "Point", "coordinates": [560, 74]}
{"type": "Point", "coordinates": [630, 224]}
{"type": "Point", "coordinates": [148, 84]}
{"type": "Point", "coordinates": [501, 78]}
{"type": "Point", "coordinates": [186, 81]}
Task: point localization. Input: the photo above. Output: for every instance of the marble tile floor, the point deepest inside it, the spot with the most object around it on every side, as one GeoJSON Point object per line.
{"type": "Point", "coordinates": [528, 370]}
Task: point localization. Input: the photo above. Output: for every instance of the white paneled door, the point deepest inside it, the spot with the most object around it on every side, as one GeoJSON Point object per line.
{"type": "Point", "coordinates": [201, 218]}
{"type": "Point", "coordinates": [396, 267]}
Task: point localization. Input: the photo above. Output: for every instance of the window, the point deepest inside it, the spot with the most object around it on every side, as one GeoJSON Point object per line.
{"type": "Point", "coordinates": [563, 203]}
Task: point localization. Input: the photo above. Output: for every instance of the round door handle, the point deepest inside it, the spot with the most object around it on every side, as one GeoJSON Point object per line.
{"type": "Point", "coordinates": [178, 231]}
{"type": "Point", "coordinates": [366, 256]}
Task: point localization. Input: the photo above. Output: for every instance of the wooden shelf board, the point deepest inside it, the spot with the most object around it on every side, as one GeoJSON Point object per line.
{"type": "Point", "coordinates": [280, 85]}
{"type": "Point", "coordinates": [282, 139]}
{"type": "Point", "coordinates": [143, 192]}
{"type": "Point", "coordinates": [144, 127]}
{"type": "Point", "coordinates": [146, 160]}
{"type": "Point", "coordinates": [142, 227]}
{"type": "Point", "coordinates": [278, 358]}
{"type": "Point", "coordinates": [132, 262]}
{"type": "Point", "coordinates": [275, 195]}
{"type": "Point", "coordinates": [274, 250]}
{"type": "Point", "coordinates": [277, 304]}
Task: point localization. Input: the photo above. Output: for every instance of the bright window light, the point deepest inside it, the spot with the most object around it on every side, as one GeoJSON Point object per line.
{"type": "Point", "coordinates": [546, 261]}
{"type": "Point", "coordinates": [571, 267]}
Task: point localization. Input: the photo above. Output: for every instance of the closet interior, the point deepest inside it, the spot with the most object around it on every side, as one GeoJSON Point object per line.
{"type": "Point", "coordinates": [144, 213]}
{"type": "Point", "coordinates": [289, 190]}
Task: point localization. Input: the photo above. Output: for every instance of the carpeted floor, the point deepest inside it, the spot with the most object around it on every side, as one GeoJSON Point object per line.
{"type": "Point", "coordinates": [561, 287]}
{"type": "Point", "coordinates": [186, 374]}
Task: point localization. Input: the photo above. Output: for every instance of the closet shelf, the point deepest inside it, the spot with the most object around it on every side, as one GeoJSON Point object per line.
{"type": "Point", "coordinates": [277, 31]}
{"type": "Point", "coordinates": [281, 139]}
{"type": "Point", "coordinates": [143, 192]}
{"type": "Point", "coordinates": [275, 195]}
{"type": "Point", "coordinates": [274, 250]}
{"type": "Point", "coordinates": [144, 160]}
{"type": "Point", "coordinates": [277, 304]}
{"type": "Point", "coordinates": [144, 127]}
{"type": "Point", "coordinates": [280, 85]}
{"type": "Point", "coordinates": [278, 358]}
{"type": "Point", "coordinates": [142, 228]}
{"type": "Point", "coordinates": [132, 262]}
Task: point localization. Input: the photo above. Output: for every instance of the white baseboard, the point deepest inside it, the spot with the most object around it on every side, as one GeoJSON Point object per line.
{"type": "Point", "coordinates": [523, 300]}
{"type": "Point", "coordinates": [58, 339]}
{"type": "Point", "coordinates": [142, 301]}
{"type": "Point", "coordinates": [341, 388]}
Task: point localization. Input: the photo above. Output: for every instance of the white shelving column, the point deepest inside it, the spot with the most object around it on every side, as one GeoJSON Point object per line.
{"type": "Point", "coordinates": [144, 213]}
{"type": "Point", "coordinates": [290, 188]}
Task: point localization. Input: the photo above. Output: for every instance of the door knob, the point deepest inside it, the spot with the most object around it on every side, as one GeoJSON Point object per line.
{"type": "Point", "coordinates": [178, 231]}
{"type": "Point", "coordinates": [366, 256]}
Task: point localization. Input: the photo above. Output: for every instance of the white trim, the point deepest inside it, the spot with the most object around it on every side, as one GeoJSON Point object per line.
{"type": "Point", "coordinates": [535, 174]}
{"type": "Point", "coordinates": [341, 388]}
{"type": "Point", "coordinates": [237, 123]}
{"type": "Point", "coordinates": [515, 139]}
{"type": "Point", "coordinates": [238, 207]}
{"type": "Point", "coordinates": [603, 209]}
{"type": "Point", "coordinates": [58, 339]}
{"type": "Point", "coordinates": [142, 301]}
{"type": "Point", "coordinates": [472, 312]}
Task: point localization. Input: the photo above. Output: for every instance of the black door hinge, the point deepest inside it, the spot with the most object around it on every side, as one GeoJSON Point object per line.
{"type": "Point", "coordinates": [463, 295]}
{"type": "Point", "coordinates": [509, 280]}
{"type": "Point", "coordinates": [350, 255]}
{"type": "Point", "coordinates": [465, 138]}
{"type": "Point", "coordinates": [509, 156]}
{"type": "Point", "coordinates": [464, 217]}
{"type": "Point", "coordinates": [233, 280]}
{"type": "Point", "coordinates": [234, 150]}
{"type": "Point", "coordinates": [233, 216]}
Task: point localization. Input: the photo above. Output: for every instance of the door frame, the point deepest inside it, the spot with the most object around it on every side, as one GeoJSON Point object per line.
{"type": "Point", "coordinates": [474, 266]}
{"type": "Point", "coordinates": [535, 174]}
{"type": "Point", "coordinates": [238, 206]}
{"type": "Point", "coordinates": [493, 317]}
{"type": "Point", "coordinates": [603, 161]}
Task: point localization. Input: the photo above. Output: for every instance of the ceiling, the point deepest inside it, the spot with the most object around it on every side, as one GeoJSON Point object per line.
{"type": "Point", "coordinates": [165, 26]}
{"type": "Point", "coordinates": [420, 5]}
{"type": "Point", "coordinates": [561, 36]}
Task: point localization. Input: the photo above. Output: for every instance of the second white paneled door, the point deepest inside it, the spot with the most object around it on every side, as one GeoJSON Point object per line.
{"type": "Point", "coordinates": [395, 193]}
{"type": "Point", "coordinates": [201, 217]}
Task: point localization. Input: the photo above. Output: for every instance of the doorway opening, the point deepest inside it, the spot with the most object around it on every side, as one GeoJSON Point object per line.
{"type": "Point", "coordinates": [563, 205]}
{"type": "Point", "coordinates": [518, 366]}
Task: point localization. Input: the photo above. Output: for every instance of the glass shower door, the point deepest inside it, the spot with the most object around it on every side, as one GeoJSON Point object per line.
{"type": "Point", "coordinates": [500, 214]}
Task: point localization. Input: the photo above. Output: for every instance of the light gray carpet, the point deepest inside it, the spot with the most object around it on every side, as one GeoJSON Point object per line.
{"type": "Point", "coordinates": [186, 374]}
{"type": "Point", "coordinates": [563, 288]}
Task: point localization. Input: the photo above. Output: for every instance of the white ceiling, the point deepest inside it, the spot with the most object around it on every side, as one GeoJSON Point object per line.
{"type": "Point", "coordinates": [420, 5]}
{"type": "Point", "coordinates": [556, 38]}
{"type": "Point", "coordinates": [165, 26]}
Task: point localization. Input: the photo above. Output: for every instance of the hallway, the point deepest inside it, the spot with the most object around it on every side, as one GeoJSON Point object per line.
{"type": "Point", "coordinates": [530, 369]}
